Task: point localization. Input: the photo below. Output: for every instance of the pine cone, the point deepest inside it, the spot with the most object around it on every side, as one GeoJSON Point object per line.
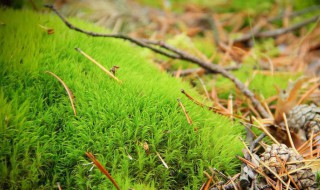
{"type": "Point", "coordinates": [304, 178]}
{"type": "Point", "coordinates": [306, 118]}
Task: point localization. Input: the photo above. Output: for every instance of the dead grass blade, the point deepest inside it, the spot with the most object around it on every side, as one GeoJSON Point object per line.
{"type": "Point", "coordinates": [102, 169]}
{"type": "Point", "coordinates": [208, 182]}
{"type": "Point", "coordinates": [99, 65]}
{"type": "Point", "coordinates": [288, 132]}
{"type": "Point", "coordinates": [203, 86]}
{"type": "Point", "coordinates": [308, 93]}
{"type": "Point", "coordinates": [265, 130]}
{"type": "Point", "coordinates": [71, 96]}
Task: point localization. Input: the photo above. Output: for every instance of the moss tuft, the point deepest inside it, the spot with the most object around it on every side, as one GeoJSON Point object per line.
{"type": "Point", "coordinates": [43, 143]}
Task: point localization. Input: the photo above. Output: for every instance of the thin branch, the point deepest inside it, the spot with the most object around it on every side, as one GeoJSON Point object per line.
{"type": "Point", "coordinates": [119, 36]}
{"type": "Point", "coordinates": [201, 70]}
{"type": "Point", "coordinates": [276, 32]}
{"type": "Point", "coordinates": [296, 13]}
{"type": "Point", "coordinates": [175, 54]}
{"type": "Point", "coordinates": [256, 141]}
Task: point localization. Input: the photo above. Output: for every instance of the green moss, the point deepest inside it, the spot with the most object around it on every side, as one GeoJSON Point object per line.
{"type": "Point", "coordinates": [43, 143]}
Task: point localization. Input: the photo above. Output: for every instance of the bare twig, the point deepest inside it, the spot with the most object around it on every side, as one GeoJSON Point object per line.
{"type": "Point", "coordinates": [70, 95]}
{"type": "Point", "coordinates": [201, 70]}
{"type": "Point", "coordinates": [174, 53]}
{"type": "Point", "coordinates": [276, 32]}
{"type": "Point", "coordinates": [296, 13]}
{"type": "Point", "coordinates": [102, 169]}
{"type": "Point", "coordinates": [256, 141]}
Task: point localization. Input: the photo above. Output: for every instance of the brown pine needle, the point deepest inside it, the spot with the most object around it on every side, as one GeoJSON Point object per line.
{"type": "Point", "coordinates": [305, 146]}
{"type": "Point", "coordinates": [208, 183]}
{"type": "Point", "coordinates": [163, 162]}
{"type": "Point", "coordinates": [71, 96]}
{"type": "Point", "coordinates": [303, 161]}
{"type": "Point", "coordinates": [306, 94]}
{"type": "Point", "coordinates": [286, 171]}
{"type": "Point", "coordinates": [102, 169]}
{"type": "Point", "coordinates": [262, 163]}
{"type": "Point", "coordinates": [301, 168]}
{"type": "Point", "coordinates": [230, 105]}
{"type": "Point", "coordinates": [98, 64]}
{"type": "Point", "coordinates": [203, 86]}
{"type": "Point", "coordinates": [185, 112]}
{"type": "Point", "coordinates": [193, 100]}
{"type": "Point", "coordinates": [59, 186]}
{"type": "Point", "coordinates": [264, 103]}
{"type": "Point", "coordinates": [288, 132]}
{"type": "Point", "coordinates": [234, 185]}
{"type": "Point", "coordinates": [265, 130]}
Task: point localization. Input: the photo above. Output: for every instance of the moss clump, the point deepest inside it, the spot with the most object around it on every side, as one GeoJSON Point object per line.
{"type": "Point", "coordinates": [43, 143]}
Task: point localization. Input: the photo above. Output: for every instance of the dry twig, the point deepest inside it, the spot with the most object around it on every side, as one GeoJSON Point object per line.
{"type": "Point", "coordinates": [174, 53]}
{"type": "Point", "coordinates": [276, 32]}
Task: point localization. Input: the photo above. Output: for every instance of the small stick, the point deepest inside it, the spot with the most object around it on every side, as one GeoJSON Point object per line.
{"type": "Point", "coordinates": [256, 141]}
{"type": "Point", "coordinates": [98, 64]}
{"type": "Point", "coordinates": [277, 32]}
{"type": "Point", "coordinates": [70, 95]}
{"type": "Point", "coordinates": [185, 112]}
{"type": "Point", "coordinates": [199, 71]}
{"type": "Point", "coordinates": [102, 169]}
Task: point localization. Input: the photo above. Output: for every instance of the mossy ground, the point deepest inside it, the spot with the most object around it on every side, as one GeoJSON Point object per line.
{"type": "Point", "coordinates": [43, 143]}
